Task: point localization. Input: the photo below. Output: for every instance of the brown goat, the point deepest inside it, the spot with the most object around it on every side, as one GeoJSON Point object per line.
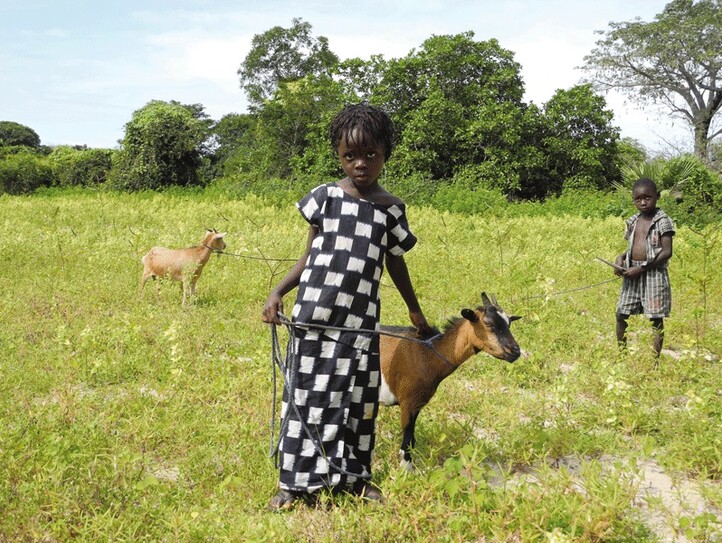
{"type": "Point", "coordinates": [412, 371]}
{"type": "Point", "coordinates": [184, 265]}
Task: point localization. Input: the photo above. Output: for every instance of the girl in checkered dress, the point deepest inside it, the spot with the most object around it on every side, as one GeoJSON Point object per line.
{"type": "Point", "coordinates": [356, 229]}
{"type": "Point", "coordinates": [646, 286]}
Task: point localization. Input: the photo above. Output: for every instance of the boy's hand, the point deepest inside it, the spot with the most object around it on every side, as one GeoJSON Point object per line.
{"type": "Point", "coordinates": [619, 262]}
{"type": "Point", "coordinates": [634, 271]}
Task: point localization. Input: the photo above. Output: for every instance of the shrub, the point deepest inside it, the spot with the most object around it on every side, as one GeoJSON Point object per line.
{"type": "Point", "coordinates": [24, 172]}
{"type": "Point", "coordinates": [80, 167]}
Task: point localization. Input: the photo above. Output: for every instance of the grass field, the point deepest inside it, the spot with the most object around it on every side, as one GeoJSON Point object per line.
{"type": "Point", "coordinates": [127, 418]}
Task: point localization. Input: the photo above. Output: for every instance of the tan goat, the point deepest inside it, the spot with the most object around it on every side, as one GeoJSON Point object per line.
{"type": "Point", "coordinates": [184, 265]}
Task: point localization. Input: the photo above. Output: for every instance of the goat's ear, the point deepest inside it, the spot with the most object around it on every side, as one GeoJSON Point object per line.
{"type": "Point", "coordinates": [514, 318]}
{"type": "Point", "coordinates": [470, 315]}
{"type": "Point", "coordinates": [221, 234]}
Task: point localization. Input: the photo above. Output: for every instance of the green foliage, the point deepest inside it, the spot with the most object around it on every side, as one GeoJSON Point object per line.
{"type": "Point", "coordinates": [283, 55]}
{"type": "Point", "coordinates": [80, 167]}
{"type": "Point", "coordinates": [163, 146]}
{"type": "Point", "coordinates": [693, 192]}
{"type": "Point", "coordinates": [457, 106]}
{"type": "Point", "coordinates": [24, 171]}
{"type": "Point", "coordinates": [581, 144]}
{"type": "Point", "coordinates": [631, 152]}
{"type": "Point", "coordinates": [449, 100]}
{"type": "Point", "coordinates": [12, 133]}
{"type": "Point", "coordinates": [227, 136]}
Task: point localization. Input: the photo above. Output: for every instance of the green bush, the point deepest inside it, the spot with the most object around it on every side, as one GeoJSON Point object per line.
{"type": "Point", "coordinates": [23, 172]}
{"type": "Point", "coordinates": [80, 167]}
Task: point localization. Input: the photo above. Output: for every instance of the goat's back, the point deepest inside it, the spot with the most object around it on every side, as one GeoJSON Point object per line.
{"type": "Point", "coordinates": [407, 366]}
{"type": "Point", "coordinates": [172, 263]}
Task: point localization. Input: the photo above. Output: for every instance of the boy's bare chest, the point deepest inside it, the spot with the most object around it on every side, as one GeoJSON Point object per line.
{"type": "Point", "coordinates": [641, 230]}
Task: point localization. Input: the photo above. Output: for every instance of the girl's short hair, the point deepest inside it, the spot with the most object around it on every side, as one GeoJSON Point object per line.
{"type": "Point", "coordinates": [372, 122]}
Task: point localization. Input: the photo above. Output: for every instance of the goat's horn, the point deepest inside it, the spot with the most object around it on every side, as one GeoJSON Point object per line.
{"type": "Point", "coordinates": [485, 299]}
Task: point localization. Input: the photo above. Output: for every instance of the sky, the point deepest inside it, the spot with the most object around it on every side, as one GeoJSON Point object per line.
{"type": "Point", "coordinates": [76, 70]}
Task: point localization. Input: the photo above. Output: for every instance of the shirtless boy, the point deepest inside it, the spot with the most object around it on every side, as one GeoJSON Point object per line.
{"type": "Point", "coordinates": [646, 287]}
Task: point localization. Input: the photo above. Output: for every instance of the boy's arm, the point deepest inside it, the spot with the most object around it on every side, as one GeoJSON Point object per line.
{"type": "Point", "coordinates": [664, 255]}
{"type": "Point", "coordinates": [274, 302]}
{"type": "Point", "coordinates": [396, 266]}
{"type": "Point", "coordinates": [660, 258]}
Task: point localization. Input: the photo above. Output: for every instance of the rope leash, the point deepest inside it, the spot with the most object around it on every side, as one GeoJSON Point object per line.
{"type": "Point", "coordinates": [277, 360]}
{"type": "Point", "coordinates": [288, 371]}
{"type": "Point", "coordinates": [249, 257]}
{"type": "Point", "coordinates": [577, 289]}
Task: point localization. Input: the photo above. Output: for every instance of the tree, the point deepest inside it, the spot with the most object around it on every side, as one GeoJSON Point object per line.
{"type": "Point", "coordinates": [227, 136]}
{"type": "Point", "coordinates": [290, 135]}
{"type": "Point", "coordinates": [164, 145]}
{"type": "Point", "coordinates": [24, 171]}
{"type": "Point", "coordinates": [360, 78]}
{"type": "Point", "coordinates": [282, 55]}
{"type": "Point", "coordinates": [581, 145]}
{"type": "Point", "coordinates": [439, 95]}
{"type": "Point", "coordinates": [675, 61]}
{"type": "Point", "coordinates": [12, 133]}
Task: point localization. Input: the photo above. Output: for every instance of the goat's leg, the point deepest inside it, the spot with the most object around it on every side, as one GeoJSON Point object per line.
{"type": "Point", "coordinates": [184, 289]}
{"type": "Point", "coordinates": [193, 288]}
{"type": "Point", "coordinates": [408, 424]}
{"type": "Point", "coordinates": [143, 281]}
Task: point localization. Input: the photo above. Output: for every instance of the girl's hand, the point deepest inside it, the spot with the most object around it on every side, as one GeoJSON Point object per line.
{"type": "Point", "coordinates": [423, 330]}
{"type": "Point", "coordinates": [271, 309]}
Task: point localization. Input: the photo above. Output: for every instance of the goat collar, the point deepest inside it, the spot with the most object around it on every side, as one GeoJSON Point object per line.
{"type": "Point", "coordinates": [211, 249]}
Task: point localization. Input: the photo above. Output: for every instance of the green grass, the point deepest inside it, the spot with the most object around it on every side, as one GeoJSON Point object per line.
{"type": "Point", "coordinates": [127, 418]}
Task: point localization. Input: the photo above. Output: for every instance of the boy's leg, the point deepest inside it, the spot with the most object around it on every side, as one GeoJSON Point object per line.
{"type": "Point", "coordinates": [658, 325]}
{"type": "Point", "coordinates": [622, 329]}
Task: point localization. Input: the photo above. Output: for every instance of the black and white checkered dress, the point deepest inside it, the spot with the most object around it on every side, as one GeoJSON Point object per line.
{"type": "Point", "coordinates": [335, 375]}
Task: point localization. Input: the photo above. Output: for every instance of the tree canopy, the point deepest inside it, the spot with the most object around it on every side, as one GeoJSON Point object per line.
{"type": "Point", "coordinates": [164, 145]}
{"type": "Point", "coordinates": [281, 55]}
{"type": "Point", "coordinates": [674, 61]}
{"type": "Point", "coordinates": [12, 133]}
{"type": "Point", "coordinates": [457, 104]}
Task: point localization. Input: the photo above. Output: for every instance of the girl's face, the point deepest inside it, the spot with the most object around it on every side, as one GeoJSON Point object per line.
{"type": "Point", "coordinates": [362, 159]}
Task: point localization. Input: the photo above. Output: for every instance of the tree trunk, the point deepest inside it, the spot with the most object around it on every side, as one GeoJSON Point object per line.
{"type": "Point", "coordinates": [701, 130]}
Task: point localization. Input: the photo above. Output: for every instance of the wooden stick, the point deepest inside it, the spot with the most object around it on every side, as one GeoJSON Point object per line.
{"type": "Point", "coordinates": [612, 264]}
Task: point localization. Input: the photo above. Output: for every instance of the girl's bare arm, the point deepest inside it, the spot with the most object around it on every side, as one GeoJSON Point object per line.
{"type": "Point", "coordinates": [399, 273]}
{"type": "Point", "coordinates": [274, 302]}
